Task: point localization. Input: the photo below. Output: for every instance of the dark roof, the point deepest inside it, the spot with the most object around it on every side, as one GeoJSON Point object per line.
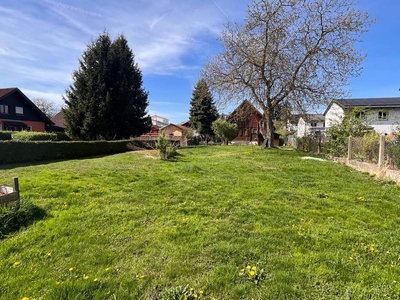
{"type": "Point", "coordinates": [4, 92]}
{"type": "Point", "coordinates": [369, 102]}
{"type": "Point", "coordinates": [245, 109]}
{"type": "Point", "coordinates": [314, 117]}
{"type": "Point", "coordinates": [7, 91]}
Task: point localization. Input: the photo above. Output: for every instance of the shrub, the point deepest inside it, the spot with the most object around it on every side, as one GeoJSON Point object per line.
{"type": "Point", "coordinates": [33, 136]}
{"type": "Point", "coordinates": [5, 135]}
{"type": "Point", "coordinates": [165, 147]}
{"type": "Point", "coordinates": [26, 151]}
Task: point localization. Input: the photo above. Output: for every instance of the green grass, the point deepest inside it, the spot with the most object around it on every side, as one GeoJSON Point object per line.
{"type": "Point", "coordinates": [144, 228]}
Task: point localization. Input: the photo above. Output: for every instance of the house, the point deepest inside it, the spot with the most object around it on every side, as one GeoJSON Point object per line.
{"type": "Point", "coordinates": [384, 116]}
{"type": "Point", "coordinates": [59, 123]}
{"type": "Point", "coordinates": [159, 121]}
{"type": "Point", "coordinates": [176, 132]}
{"type": "Point", "coordinates": [18, 113]}
{"type": "Point", "coordinates": [311, 124]}
{"type": "Point", "coordinates": [247, 117]}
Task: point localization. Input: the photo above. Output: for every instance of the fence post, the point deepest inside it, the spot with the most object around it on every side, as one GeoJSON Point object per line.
{"type": "Point", "coordinates": [349, 149]}
{"type": "Point", "coordinates": [381, 160]}
{"type": "Point", "coordinates": [16, 189]}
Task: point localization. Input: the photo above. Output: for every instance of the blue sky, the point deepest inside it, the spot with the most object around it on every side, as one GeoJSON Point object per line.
{"type": "Point", "coordinates": [42, 40]}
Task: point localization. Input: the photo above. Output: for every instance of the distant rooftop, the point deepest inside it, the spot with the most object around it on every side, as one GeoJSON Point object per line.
{"type": "Point", "coordinates": [370, 102]}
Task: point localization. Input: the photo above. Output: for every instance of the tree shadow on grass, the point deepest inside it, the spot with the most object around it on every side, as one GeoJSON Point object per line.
{"type": "Point", "coordinates": [12, 220]}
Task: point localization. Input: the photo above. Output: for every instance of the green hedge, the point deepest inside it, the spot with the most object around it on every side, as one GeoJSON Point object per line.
{"type": "Point", "coordinates": [5, 135]}
{"type": "Point", "coordinates": [27, 151]}
{"type": "Point", "coordinates": [33, 136]}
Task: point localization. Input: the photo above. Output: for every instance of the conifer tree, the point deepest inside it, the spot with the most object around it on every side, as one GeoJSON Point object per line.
{"type": "Point", "coordinates": [203, 111]}
{"type": "Point", "coordinates": [106, 100]}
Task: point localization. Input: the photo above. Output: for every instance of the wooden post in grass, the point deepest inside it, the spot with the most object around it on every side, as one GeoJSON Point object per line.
{"type": "Point", "coordinates": [381, 160]}
{"type": "Point", "coordinates": [349, 149]}
{"type": "Point", "coordinates": [16, 189]}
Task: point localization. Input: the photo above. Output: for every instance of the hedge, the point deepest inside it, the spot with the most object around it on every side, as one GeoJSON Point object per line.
{"type": "Point", "coordinates": [28, 151]}
{"type": "Point", "coordinates": [5, 135]}
{"type": "Point", "coordinates": [33, 136]}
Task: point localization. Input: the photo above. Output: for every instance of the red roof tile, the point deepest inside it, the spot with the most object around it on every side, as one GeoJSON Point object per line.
{"type": "Point", "coordinates": [4, 92]}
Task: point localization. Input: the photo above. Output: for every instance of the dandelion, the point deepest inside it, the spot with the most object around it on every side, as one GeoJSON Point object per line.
{"type": "Point", "coordinates": [191, 289]}
{"type": "Point", "coordinates": [107, 269]}
{"type": "Point", "coordinates": [201, 292]}
{"type": "Point", "coordinates": [25, 298]}
{"type": "Point", "coordinates": [242, 270]}
{"type": "Point", "coordinates": [85, 277]}
{"type": "Point", "coordinates": [17, 263]}
{"type": "Point", "coordinates": [254, 268]}
{"type": "Point", "coordinates": [351, 258]}
{"type": "Point", "coordinates": [48, 254]}
{"type": "Point", "coordinates": [71, 269]}
{"type": "Point", "coordinates": [141, 277]}
{"type": "Point", "coordinates": [252, 273]}
{"type": "Point", "coordinates": [95, 279]}
{"type": "Point", "coordinates": [248, 267]}
{"type": "Point", "coordinates": [58, 282]}
{"type": "Point", "coordinates": [195, 295]}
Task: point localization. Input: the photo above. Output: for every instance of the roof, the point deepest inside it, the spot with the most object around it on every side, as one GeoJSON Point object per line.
{"type": "Point", "coordinates": [178, 126]}
{"type": "Point", "coordinates": [59, 120]}
{"type": "Point", "coordinates": [243, 111]}
{"type": "Point", "coordinates": [369, 102]}
{"type": "Point", "coordinates": [5, 92]}
{"type": "Point", "coordinates": [313, 117]}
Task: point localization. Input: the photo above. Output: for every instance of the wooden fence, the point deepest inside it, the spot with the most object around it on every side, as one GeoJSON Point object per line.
{"type": "Point", "coordinates": [10, 194]}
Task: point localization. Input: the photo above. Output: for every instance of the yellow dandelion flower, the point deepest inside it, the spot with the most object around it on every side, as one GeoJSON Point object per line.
{"type": "Point", "coordinates": [248, 267]}
{"type": "Point", "coordinates": [48, 254]}
{"type": "Point", "coordinates": [252, 273]}
{"type": "Point", "coordinates": [58, 282]}
{"type": "Point", "coordinates": [85, 277]}
{"type": "Point", "coordinates": [195, 295]}
{"type": "Point", "coordinates": [201, 292]}
{"type": "Point", "coordinates": [351, 258]}
{"type": "Point", "coordinates": [242, 270]}
{"type": "Point", "coordinates": [185, 298]}
{"type": "Point", "coordinates": [141, 277]}
{"type": "Point", "coordinates": [17, 263]}
{"type": "Point", "coordinates": [95, 279]}
{"type": "Point", "coordinates": [387, 252]}
{"type": "Point", "coordinates": [71, 269]}
{"type": "Point", "coordinates": [25, 298]}
{"type": "Point", "coordinates": [191, 289]}
{"type": "Point", "coordinates": [107, 269]}
{"type": "Point", "coordinates": [254, 268]}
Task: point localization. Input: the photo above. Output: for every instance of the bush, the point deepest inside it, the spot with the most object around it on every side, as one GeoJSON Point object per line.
{"type": "Point", "coordinates": [33, 136]}
{"type": "Point", "coordinates": [27, 151]}
{"type": "Point", "coordinates": [5, 135]}
{"type": "Point", "coordinates": [165, 147]}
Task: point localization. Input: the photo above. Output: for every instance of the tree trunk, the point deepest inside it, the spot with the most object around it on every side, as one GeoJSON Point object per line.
{"type": "Point", "coordinates": [266, 129]}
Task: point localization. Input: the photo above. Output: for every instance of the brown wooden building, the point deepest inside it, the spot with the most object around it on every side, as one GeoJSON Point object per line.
{"type": "Point", "coordinates": [247, 117]}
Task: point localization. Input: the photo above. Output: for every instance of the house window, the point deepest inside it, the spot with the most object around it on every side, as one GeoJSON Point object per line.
{"type": "Point", "coordinates": [314, 124]}
{"type": "Point", "coordinates": [19, 110]}
{"type": "Point", "coordinates": [360, 115]}
{"type": "Point", "coordinates": [382, 115]}
{"type": "Point", "coordinates": [29, 128]}
{"type": "Point", "coordinates": [3, 109]}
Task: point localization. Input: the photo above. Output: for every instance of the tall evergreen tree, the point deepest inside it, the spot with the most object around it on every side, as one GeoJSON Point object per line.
{"type": "Point", "coordinates": [106, 100]}
{"type": "Point", "coordinates": [203, 111]}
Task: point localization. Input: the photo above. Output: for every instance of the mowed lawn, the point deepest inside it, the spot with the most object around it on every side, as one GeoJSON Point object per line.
{"type": "Point", "coordinates": [230, 222]}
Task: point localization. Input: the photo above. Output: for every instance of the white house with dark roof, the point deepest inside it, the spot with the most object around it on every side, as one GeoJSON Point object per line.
{"type": "Point", "coordinates": [384, 117]}
{"type": "Point", "coordinates": [310, 124]}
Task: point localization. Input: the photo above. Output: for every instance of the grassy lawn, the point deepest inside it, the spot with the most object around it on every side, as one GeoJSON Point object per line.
{"type": "Point", "coordinates": [130, 226]}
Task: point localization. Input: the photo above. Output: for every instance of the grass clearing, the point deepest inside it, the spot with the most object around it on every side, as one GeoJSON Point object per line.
{"type": "Point", "coordinates": [130, 226]}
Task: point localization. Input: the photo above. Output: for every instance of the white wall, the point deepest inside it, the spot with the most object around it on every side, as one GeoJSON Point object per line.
{"type": "Point", "coordinates": [385, 126]}
{"type": "Point", "coordinates": [334, 115]}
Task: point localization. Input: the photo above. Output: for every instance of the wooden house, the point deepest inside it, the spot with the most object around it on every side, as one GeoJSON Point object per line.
{"type": "Point", "coordinates": [247, 117]}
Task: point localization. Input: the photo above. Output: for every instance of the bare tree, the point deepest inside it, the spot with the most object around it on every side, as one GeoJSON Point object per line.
{"type": "Point", "coordinates": [49, 108]}
{"type": "Point", "coordinates": [299, 51]}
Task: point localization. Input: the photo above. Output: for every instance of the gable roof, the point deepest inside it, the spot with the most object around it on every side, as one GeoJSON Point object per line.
{"type": "Point", "coordinates": [244, 110]}
{"type": "Point", "coordinates": [174, 125]}
{"type": "Point", "coordinates": [382, 102]}
{"type": "Point", "coordinates": [4, 92]}
{"type": "Point", "coordinates": [313, 117]}
{"type": "Point", "coordinates": [59, 120]}
{"type": "Point", "coordinates": [8, 91]}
